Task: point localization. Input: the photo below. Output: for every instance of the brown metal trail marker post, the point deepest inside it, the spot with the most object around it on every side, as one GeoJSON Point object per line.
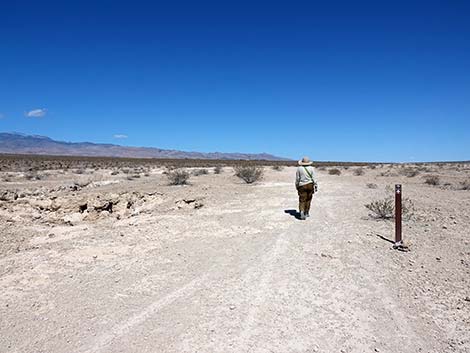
{"type": "Point", "coordinates": [398, 212]}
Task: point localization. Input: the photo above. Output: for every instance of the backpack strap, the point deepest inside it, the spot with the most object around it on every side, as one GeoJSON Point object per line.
{"type": "Point", "coordinates": [308, 173]}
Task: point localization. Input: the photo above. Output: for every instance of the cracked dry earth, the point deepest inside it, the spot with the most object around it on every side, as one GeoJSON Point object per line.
{"type": "Point", "coordinates": [220, 266]}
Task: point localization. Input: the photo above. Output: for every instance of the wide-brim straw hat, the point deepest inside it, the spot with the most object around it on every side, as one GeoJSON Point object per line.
{"type": "Point", "coordinates": [305, 161]}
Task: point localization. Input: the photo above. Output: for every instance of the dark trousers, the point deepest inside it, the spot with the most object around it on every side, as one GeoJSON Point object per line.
{"type": "Point", "coordinates": [305, 197]}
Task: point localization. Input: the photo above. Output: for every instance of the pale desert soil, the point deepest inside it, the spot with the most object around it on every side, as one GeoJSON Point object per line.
{"type": "Point", "coordinates": [221, 266]}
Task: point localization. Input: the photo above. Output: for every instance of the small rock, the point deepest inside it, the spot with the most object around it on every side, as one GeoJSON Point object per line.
{"type": "Point", "coordinates": [232, 307]}
{"type": "Point", "coordinates": [467, 299]}
{"type": "Point", "coordinates": [73, 219]}
{"type": "Point", "coordinates": [438, 258]}
{"type": "Point", "coordinates": [444, 227]}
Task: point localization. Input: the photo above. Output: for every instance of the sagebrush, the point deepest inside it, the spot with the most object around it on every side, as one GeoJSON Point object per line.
{"type": "Point", "coordinates": [178, 177]}
{"type": "Point", "coordinates": [465, 185]}
{"type": "Point", "coordinates": [334, 171]}
{"type": "Point", "coordinates": [409, 172]}
{"type": "Point", "coordinates": [202, 171]}
{"type": "Point", "coordinates": [385, 208]}
{"type": "Point", "coordinates": [249, 174]}
{"type": "Point", "coordinates": [432, 180]}
{"type": "Point", "coordinates": [358, 171]}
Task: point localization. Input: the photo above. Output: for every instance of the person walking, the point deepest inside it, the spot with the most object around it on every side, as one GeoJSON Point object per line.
{"type": "Point", "coordinates": [305, 182]}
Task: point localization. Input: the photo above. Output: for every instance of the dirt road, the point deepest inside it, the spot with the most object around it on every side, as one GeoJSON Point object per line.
{"type": "Point", "coordinates": [240, 274]}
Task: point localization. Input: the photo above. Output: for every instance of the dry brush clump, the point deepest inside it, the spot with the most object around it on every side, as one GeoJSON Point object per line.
{"type": "Point", "coordinates": [133, 176]}
{"type": "Point", "coordinates": [202, 171]}
{"type": "Point", "coordinates": [249, 174]}
{"type": "Point", "coordinates": [465, 185]}
{"type": "Point", "coordinates": [334, 171]}
{"type": "Point", "coordinates": [178, 177]}
{"type": "Point", "coordinates": [277, 168]}
{"type": "Point", "coordinates": [33, 175]}
{"type": "Point", "coordinates": [7, 178]}
{"type": "Point", "coordinates": [432, 180]}
{"type": "Point", "coordinates": [371, 186]}
{"type": "Point", "coordinates": [218, 169]}
{"type": "Point", "coordinates": [385, 208]}
{"type": "Point", "coordinates": [79, 171]}
{"type": "Point", "coordinates": [409, 172]}
{"type": "Point", "coordinates": [358, 171]}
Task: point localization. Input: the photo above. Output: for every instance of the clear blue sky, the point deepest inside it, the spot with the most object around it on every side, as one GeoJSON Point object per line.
{"type": "Point", "coordinates": [336, 80]}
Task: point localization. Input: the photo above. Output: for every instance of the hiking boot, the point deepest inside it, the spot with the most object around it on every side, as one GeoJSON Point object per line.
{"type": "Point", "coordinates": [302, 215]}
{"type": "Point", "coordinates": [307, 214]}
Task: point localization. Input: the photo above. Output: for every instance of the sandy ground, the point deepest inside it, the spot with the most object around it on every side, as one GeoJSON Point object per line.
{"type": "Point", "coordinates": [221, 266]}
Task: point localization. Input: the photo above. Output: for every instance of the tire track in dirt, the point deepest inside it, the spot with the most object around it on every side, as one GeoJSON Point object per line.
{"type": "Point", "coordinates": [259, 297]}
{"type": "Point", "coordinates": [103, 342]}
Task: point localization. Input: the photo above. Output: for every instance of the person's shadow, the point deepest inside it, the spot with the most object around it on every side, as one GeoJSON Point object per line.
{"type": "Point", "coordinates": [293, 213]}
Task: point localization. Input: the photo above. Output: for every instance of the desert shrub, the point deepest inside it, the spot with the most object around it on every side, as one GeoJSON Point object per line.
{"type": "Point", "coordinates": [334, 171]}
{"type": "Point", "coordinates": [358, 171]}
{"type": "Point", "coordinates": [465, 185]}
{"type": "Point", "coordinates": [382, 209]}
{"type": "Point", "coordinates": [432, 180]}
{"type": "Point", "coordinates": [371, 186]}
{"type": "Point", "coordinates": [32, 176]}
{"type": "Point", "coordinates": [249, 174]}
{"type": "Point", "coordinates": [7, 178]}
{"type": "Point", "coordinates": [198, 172]}
{"type": "Point", "coordinates": [388, 173]}
{"type": "Point", "coordinates": [385, 208]}
{"type": "Point", "coordinates": [372, 166]}
{"type": "Point", "coordinates": [409, 172]}
{"type": "Point", "coordinates": [178, 177]}
{"type": "Point", "coordinates": [424, 169]}
{"type": "Point", "coordinates": [218, 169]}
{"type": "Point", "coordinates": [322, 168]}
{"type": "Point", "coordinates": [79, 171]}
{"type": "Point", "coordinates": [277, 168]}
{"type": "Point", "coordinates": [132, 176]}
{"type": "Point", "coordinates": [114, 172]}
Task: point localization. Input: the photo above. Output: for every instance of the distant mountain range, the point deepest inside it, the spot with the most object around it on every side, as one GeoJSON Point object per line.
{"type": "Point", "coordinates": [16, 143]}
